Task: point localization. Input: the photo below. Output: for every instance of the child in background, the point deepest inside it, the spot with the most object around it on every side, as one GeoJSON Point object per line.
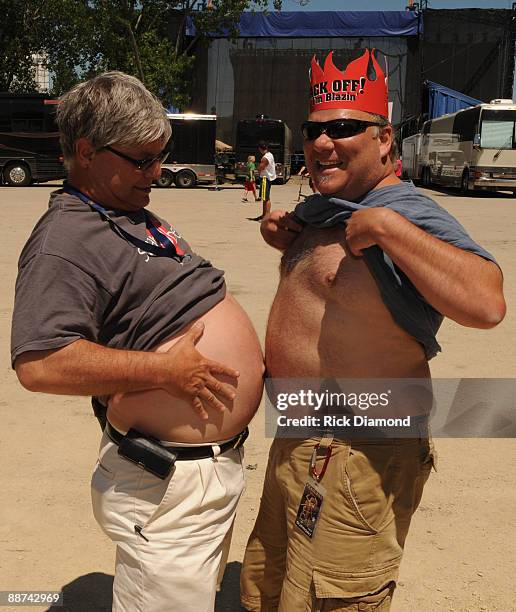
{"type": "Point", "coordinates": [249, 182]}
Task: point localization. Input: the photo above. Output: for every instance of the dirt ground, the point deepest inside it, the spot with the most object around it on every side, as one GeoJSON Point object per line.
{"type": "Point", "coordinates": [461, 551]}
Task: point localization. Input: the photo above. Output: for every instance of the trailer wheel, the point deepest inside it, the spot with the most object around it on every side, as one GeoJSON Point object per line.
{"type": "Point", "coordinates": [17, 174]}
{"type": "Point", "coordinates": [185, 179]}
{"type": "Point", "coordinates": [166, 179]}
{"type": "Point", "coordinates": [464, 183]}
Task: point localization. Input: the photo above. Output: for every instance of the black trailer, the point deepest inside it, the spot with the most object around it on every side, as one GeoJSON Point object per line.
{"type": "Point", "coordinates": [276, 132]}
{"type": "Point", "coordinates": [191, 147]}
{"type": "Point", "coordinates": [29, 140]}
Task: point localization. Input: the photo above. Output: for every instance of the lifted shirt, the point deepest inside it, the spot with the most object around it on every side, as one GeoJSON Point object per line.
{"type": "Point", "coordinates": [407, 306]}
{"type": "Point", "coordinates": [80, 279]}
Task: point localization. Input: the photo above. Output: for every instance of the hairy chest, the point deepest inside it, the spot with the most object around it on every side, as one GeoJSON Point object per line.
{"type": "Point", "coordinates": [320, 261]}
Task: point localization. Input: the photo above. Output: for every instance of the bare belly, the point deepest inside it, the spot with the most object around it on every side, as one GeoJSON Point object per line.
{"type": "Point", "coordinates": [328, 318]}
{"type": "Point", "coordinates": [228, 338]}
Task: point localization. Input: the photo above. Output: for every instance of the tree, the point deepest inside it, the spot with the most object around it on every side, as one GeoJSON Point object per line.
{"type": "Point", "coordinates": [18, 43]}
{"type": "Point", "coordinates": [151, 39]}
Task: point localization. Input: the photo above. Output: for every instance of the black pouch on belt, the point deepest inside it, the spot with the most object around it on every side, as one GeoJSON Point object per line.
{"type": "Point", "coordinates": [147, 453]}
{"type": "Point", "coordinates": [100, 412]}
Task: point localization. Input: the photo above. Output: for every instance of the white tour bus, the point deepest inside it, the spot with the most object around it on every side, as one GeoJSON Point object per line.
{"type": "Point", "coordinates": [474, 148]}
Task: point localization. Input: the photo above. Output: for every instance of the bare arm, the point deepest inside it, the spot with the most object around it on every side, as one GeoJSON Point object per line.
{"type": "Point", "coordinates": [86, 368]}
{"type": "Point", "coordinates": [460, 285]}
{"type": "Point", "coordinates": [264, 162]}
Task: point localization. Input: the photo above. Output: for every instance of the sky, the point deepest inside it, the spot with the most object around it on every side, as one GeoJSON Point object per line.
{"type": "Point", "coordinates": [388, 5]}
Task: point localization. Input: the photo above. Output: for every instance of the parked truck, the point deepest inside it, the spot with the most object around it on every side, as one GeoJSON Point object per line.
{"type": "Point", "coordinates": [29, 140]}
{"type": "Point", "coordinates": [191, 148]}
{"type": "Point", "coordinates": [472, 149]}
{"type": "Point", "coordinates": [276, 132]}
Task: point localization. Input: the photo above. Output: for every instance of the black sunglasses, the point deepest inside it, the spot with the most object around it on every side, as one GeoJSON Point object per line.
{"type": "Point", "coordinates": [141, 164]}
{"type": "Point", "coordinates": [338, 128]}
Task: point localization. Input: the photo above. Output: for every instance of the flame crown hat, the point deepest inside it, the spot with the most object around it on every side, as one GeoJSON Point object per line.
{"type": "Point", "coordinates": [351, 88]}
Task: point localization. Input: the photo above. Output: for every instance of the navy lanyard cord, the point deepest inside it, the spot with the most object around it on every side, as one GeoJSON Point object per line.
{"type": "Point", "coordinates": [165, 241]}
{"type": "Point", "coordinates": [166, 250]}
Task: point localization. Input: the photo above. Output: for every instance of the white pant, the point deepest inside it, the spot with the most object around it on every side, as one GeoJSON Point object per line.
{"type": "Point", "coordinates": [174, 563]}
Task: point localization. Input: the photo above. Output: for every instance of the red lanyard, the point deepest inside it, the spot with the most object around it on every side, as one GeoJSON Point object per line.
{"type": "Point", "coordinates": [317, 476]}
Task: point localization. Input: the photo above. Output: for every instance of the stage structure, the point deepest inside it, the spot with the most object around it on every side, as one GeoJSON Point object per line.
{"type": "Point", "coordinates": [265, 71]}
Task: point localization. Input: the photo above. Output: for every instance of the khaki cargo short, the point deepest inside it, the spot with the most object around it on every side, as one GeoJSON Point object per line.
{"type": "Point", "coordinates": [352, 561]}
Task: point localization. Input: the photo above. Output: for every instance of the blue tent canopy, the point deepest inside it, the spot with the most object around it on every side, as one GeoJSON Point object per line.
{"type": "Point", "coordinates": [442, 100]}
{"type": "Point", "coordinates": [306, 24]}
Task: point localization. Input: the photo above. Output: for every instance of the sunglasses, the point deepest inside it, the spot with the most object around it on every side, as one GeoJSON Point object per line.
{"type": "Point", "coordinates": [141, 164]}
{"type": "Point", "coordinates": [338, 128]}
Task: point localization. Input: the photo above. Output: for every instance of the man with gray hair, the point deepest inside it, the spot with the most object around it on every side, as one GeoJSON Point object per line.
{"type": "Point", "coordinates": [112, 302]}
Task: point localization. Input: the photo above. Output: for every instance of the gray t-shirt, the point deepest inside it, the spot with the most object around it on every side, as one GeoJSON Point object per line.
{"type": "Point", "coordinates": [78, 278]}
{"type": "Point", "coordinates": [407, 306]}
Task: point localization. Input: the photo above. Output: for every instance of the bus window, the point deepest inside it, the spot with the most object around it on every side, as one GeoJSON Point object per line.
{"type": "Point", "coordinates": [28, 125]}
{"type": "Point", "coordinates": [497, 129]}
{"type": "Point", "coordinates": [465, 124]}
{"type": "Point", "coordinates": [5, 115]}
{"type": "Point", "coordinates": [50, 118]}
{"type": "Point", "coordinates": [27, 115]}
{"type": "Point", "coordinates": [253, 131]}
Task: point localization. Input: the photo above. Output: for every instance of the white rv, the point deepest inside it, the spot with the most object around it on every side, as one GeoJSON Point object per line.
{"type": "Point", "coordinates": [474, 148]}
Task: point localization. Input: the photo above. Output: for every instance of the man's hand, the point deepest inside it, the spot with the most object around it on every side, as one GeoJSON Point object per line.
{"type": "Point", "coordinates": [365, 228]}
{"type": "Point", "coordinates": [193, 376]}
{"type": "Point", "coordinates": [87, 368]}
{"type": "Point", "coordinates": [279, 229]}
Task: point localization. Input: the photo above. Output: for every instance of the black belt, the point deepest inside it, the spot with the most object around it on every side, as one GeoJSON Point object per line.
{"type": "Point", "coordinates": [187, 453]}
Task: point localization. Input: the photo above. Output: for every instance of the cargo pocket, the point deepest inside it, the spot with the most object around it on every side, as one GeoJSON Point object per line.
{"type": "Point", "coordinates": [373, 585]}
